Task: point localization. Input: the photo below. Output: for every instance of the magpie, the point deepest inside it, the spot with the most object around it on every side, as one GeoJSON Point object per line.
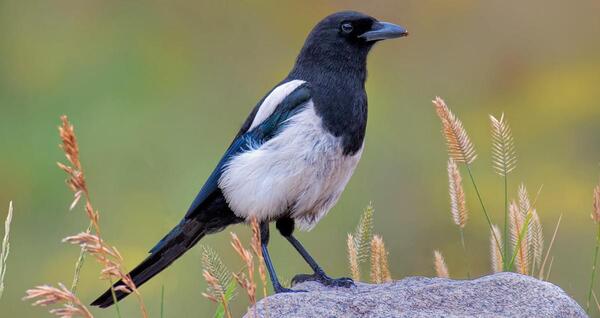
{"type": "Point", "coordinates": [293, 156]}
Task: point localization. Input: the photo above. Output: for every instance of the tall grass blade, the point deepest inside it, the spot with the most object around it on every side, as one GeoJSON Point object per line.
{"type": "Point", "coordinates": [549, 269]}
{"type": "Point", "coordinates": [542, 268]}
{"type": "Point", "coordinates": [162, 301]}
{"type": "Point", "coordinates": [79, 265]}
{"type": "Point", "coordinates": [596, 301]}
{"type": "Point", "coordinates": [485, 213]}
{"type": "Point", "coordinates": [522, 234]}
{"type": "Point", "coordinates": [115, 300]}
{"type": "Point", "coordinates": [495, 251]}
{"type": "Point", "coordinates": [504, 160]}
{"type": "Point", "coordinates": [228, 295]}
{"type": "Point", "coordinates": [519, 243]}
{"type": "Point", "coordinates": [5, 246]}
{"type": "Point", "coordinates": [596, 218]}
{"type": "Point", "coordinates": [460, 148]}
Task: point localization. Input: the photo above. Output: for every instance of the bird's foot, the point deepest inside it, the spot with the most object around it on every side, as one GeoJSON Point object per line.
{"type": "Point", "coordinates": [281, 289]}
{"type": "Point", "coordinates": [323, 279]}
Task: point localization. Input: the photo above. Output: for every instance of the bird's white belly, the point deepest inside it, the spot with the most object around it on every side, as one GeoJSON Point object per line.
{"type": "Point", "coordinates": [302, 171]}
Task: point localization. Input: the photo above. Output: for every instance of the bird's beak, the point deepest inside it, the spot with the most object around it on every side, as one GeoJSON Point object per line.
{"type": "Point", "coordinates": [383, 31]}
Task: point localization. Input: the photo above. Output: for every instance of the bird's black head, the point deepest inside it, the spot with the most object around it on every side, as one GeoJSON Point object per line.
{"type": "Point", "coordinates": [341, 42]}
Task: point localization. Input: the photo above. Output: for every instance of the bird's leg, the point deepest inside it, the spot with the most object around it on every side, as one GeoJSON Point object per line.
{"type": "Point", "coordinates": [286, 228]}
{"type": "Point", "coordinates": [264, 241]}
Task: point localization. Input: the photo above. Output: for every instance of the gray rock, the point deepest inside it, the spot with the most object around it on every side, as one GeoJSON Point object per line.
{"type": "Point", "coordinates": [499, 295]}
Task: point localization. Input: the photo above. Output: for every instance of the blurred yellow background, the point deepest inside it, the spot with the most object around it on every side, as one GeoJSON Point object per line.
{"type": "Point", "coordinates": [157, 89]}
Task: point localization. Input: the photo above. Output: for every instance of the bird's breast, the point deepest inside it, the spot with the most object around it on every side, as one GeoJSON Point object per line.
{"type": "Point", "coordinates": [301, 171]}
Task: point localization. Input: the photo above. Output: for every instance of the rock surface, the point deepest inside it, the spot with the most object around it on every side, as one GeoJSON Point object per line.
{"type": "Point", "coordinates": [499, 295]}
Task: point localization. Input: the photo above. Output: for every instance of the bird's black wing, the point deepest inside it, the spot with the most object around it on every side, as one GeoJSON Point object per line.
{"type": "Point", "coordinates": [260, 134]}
{"type": "Point", "coordinates": [209, 211]}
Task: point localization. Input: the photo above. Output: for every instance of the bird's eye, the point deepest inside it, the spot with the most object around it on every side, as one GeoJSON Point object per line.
{"type": "Point", "coordinates": [347, 27]}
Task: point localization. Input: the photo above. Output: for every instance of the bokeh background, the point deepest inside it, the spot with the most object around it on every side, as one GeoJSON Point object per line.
{"type": "Point", "coordinates": [157, 89]}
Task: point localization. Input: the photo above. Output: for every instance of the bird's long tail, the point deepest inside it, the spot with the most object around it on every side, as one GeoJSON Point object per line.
{"type": "Point", "coordinates": [158, 260]}
{"type": "Point", "coordinates": [209, 218]}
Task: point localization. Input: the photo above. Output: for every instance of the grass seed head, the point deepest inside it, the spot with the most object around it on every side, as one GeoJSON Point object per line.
{"type": "Point", "coordinates": [458, 203]}
{"type": "Point", "coordinates": [353, 257]}
{"type": "Point", "coordinates": [460, 147]}
{"type": "Point", "coordinates": [376, 273]}
{"type": "Point", "coordinates": [504, 156]}
{"type": "Point", "coordinates": [46, 295]}
{"type": "Point", "coordinates": [441, 269]}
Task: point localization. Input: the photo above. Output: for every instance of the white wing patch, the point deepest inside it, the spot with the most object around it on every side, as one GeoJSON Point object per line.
{"type": "Point", "coordinates": [302, 170]}
{"type": "Point", "coordinates": [275, 98]}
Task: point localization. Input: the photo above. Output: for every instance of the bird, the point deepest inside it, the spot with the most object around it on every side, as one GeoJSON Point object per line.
{"type": "Point", "coordinates": [292, 157]}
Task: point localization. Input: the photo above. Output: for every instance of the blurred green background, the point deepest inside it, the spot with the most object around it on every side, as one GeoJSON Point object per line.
{"type": "Point", "coordinates": [157, 89]}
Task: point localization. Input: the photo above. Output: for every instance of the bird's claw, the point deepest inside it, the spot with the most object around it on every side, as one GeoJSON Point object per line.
{"type": "Point", "coordinates": [339, 282]}
{"type": "Point", "coordinates": [324, 280]}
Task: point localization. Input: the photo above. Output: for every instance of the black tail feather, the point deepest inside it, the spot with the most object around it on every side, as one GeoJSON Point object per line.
{"type": "Point", "coordinates": [155, 263]}
{"type": "Point", "coordinates": [211, 217]}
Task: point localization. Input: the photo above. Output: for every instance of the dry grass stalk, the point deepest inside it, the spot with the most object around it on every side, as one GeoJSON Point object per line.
{"type": "Point", "coordinates": [353, 257]}
{"type": "Point", "coordinates": [495, 251]}
{"type": "Point", "coordinates": [460, 149]}
{"type": "Point", "coordinates": [262, 271]}
{"type": "Point", "coordinates": [376, 275]}
{"type": "Point", "coordinates": [520, 246]}
{"type": "Point", "coordinates": [441, 269]}
{"type": "Point", "coordinates": [246, 281]}
{"type": "Point", "coordinates": [76, 179]}
{"type": "Point", "coordinates": [47, 295]}
{"type": "Point", "coordinates": [107, 256]}
{"type": "Point", "coordinates": [257, 248]}
{"type": "Point", "coordinates": [458, 203]}
{"type": "Point", "coordinates": [5, 246]}
{"type": "Point", "coordinates": [217, 291]}
{"type": "Point", "coordinates": [459, 144]}
{"type": "Point", "coordinates": [596, 206]}
{"type": "Point", "coordinates": [504, 157]}
{"type": "Point", "coordinates": [77, 184]}
{"type": "Point", "coordinates": [111, 261]}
